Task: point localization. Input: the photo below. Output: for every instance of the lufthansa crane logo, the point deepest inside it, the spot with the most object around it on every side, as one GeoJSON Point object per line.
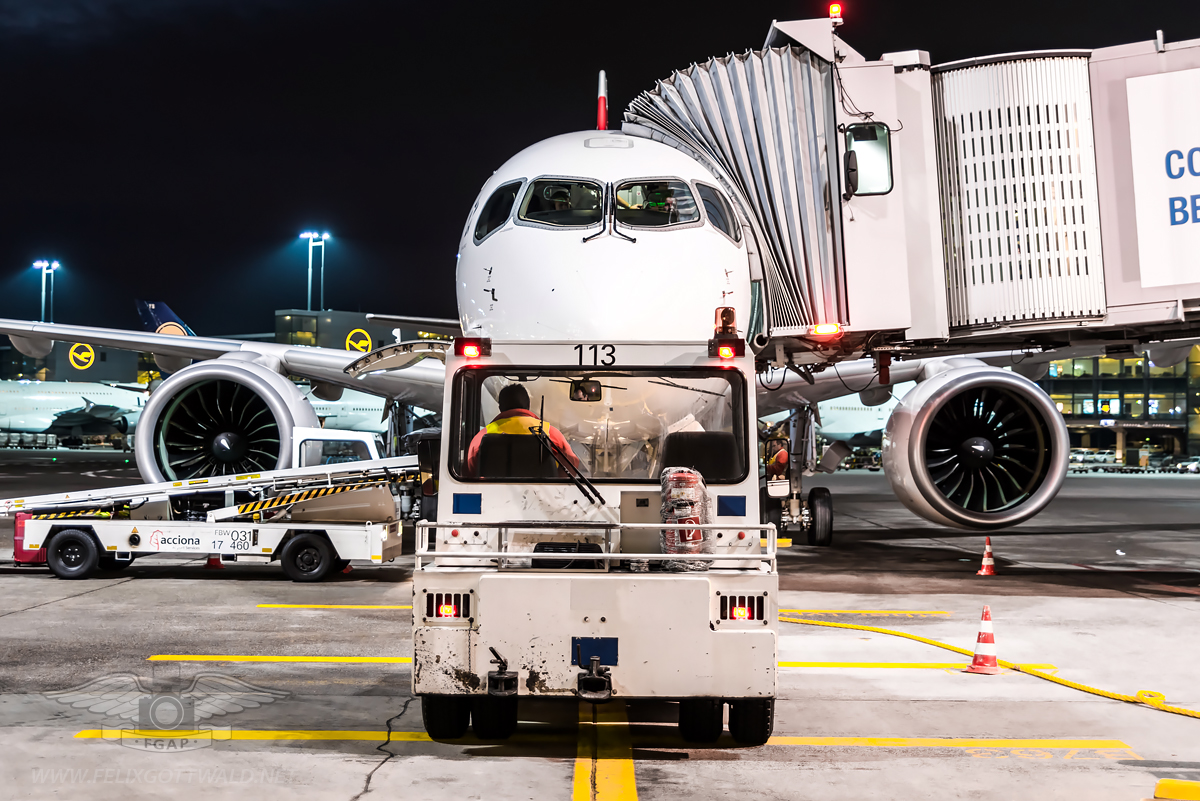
{"type": "Point", "coordinates": [82, 356]}
{"type": "Point", "coordinates": [358, 340]}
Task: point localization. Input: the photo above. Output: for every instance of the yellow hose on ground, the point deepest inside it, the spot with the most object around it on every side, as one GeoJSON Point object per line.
{"type": "Point", "coordinates": [1150, 698]}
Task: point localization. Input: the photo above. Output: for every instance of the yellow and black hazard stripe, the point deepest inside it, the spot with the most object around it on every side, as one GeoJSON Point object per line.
{"type": "Point", "coordinates": [73, 513]}
{"type": "Point", "coordinates": [298, 497]}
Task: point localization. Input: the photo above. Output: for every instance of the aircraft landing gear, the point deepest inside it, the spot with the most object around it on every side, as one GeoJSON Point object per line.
{"type": "Point", "coordinates": [820, 517]}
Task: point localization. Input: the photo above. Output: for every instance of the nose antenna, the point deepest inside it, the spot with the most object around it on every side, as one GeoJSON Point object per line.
{"type": "Point", "coordinates": [602, 104]}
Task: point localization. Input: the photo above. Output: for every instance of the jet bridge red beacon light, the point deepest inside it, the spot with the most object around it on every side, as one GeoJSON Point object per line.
{"type": "Point", "coordinates": [835, 13]}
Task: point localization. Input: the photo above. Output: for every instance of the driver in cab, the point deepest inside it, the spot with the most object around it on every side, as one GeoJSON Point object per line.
{"type": "Point", "coordinates": [515, 418]}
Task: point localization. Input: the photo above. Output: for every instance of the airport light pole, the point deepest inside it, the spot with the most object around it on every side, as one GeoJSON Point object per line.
{"type": "Point", "coordinates": [47, 268]}
{"type": "Point", "coordinates": [315, 240]}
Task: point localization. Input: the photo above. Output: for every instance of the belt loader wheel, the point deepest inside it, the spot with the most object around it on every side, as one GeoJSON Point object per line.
{"type": "Point", "coordinates": [820, 513]}
{"type": "Point", "coordinates": [446, 717]}
{"type": "Point", "coordinates": [493, 718]}
{"type": "Point", "coordinates": [72, 554]}
{"type": "Point", "coordinates": [307, 557]}
{"type": "Point", "coordinates": [701, 720]}
{"type": "Point", "coordinates": [751, 720]}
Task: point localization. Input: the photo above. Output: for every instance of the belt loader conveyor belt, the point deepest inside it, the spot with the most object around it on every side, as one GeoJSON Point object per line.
{"type": "Point", "coordinates": [354, 474]}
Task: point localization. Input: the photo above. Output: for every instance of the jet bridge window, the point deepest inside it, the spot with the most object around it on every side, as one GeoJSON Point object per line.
{"type": "Point", "coordinates": [563, 203]}
{"type": "Point", "coordinates": [623, 426]}
{"type": "Point", "coordinates": [497, 210]}
{"type": "Point", "coordinates": [720, 215]}
{"type": "Point", "coordinates": [871, 144]}
{"type": "Point", "coordinates": [655, 204]}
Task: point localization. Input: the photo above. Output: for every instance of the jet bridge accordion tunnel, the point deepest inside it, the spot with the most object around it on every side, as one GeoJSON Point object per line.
{"type": "Point", "coordinates": [1003, 201]}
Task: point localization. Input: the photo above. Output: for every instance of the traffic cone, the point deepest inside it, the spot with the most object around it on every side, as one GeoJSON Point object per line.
{"type": "Point", "coordinates": [985, 647]}
{"type": "Point", "coordinates": [214, 562]}
{"type": "Point", "coordinates": [988, 568]}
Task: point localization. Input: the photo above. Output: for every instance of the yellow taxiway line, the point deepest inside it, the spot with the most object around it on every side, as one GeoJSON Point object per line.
{"type": "Point", "coordinates": [404, 660]}
{"type": "Point", "coordinates": [250, 658]}
{"type": "Point", "coordinates": [329, 606]}
{"type": "Point", "coordinates": [604, 755]}
{"type": "Point", "coordinates": [255, 734]}
{"type": "Point", "coordinates": [906, 612]}
{"type": "Point", "coordinates": [895, 665]}
{"type": "Point", "coordinates": [943, 742]}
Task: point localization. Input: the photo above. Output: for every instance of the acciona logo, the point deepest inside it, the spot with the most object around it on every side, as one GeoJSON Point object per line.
{"type": "Point", "coordinates": [179, 540]}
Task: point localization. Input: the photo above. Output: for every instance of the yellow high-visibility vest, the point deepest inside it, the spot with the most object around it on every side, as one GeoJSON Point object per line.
{"type": "Point", "coordinates": [514, 425]}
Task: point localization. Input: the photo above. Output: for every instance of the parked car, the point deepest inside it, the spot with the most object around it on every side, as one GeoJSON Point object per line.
{"type": "Point", "coordinates": [1105, 457]}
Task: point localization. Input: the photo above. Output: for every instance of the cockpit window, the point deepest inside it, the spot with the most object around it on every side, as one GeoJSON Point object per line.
{"type": "Point", "coordinates": [655, 204]}
{"type": "Point", "coordinates": [718, 211]}
{"type": "Point", "coordinates": [563, 203]}
{"type": "Point", "coordinates": [496, 210]}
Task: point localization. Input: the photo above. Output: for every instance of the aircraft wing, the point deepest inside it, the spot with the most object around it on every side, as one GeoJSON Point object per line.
{"type": "Point", "coordinates": [419, 385]}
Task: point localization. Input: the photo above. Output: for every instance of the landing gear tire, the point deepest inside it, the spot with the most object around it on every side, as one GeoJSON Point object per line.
{"type": "Point", "coordinates": [701, 720]}
{"type": "Point", "coordinates": [446, 717]}
{"type": "Point", "coordinates": [72, 554]}
{"type": "Point", "coordinates": [751, 720]}
{"type": "Point", "coordinates": [493, 718]}
{"type": "Point", "coordinates": [307, 557]}
{"type": "Point", "coordinates": [820, 512]}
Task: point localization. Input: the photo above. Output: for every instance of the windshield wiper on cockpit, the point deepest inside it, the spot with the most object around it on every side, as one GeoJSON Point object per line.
{"type": "Point", "coordinates": [582, 483]}
{"type": "Point", "coordinates": [604, 204]}
{"type": "Point", "coordinates": [609, 215]}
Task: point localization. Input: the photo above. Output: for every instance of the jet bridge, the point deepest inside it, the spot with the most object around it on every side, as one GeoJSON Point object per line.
{"type": "Point", "coordinates": [1026, 200]}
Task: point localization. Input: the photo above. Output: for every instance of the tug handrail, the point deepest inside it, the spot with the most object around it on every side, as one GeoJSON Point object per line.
{"type": "Point", "coordinates": [607, 556]}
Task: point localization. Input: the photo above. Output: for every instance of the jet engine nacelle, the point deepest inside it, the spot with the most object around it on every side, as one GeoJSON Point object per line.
{"type": "Point", "coordinates": [217, 418]}
{"type": "Point", "coordinates": [976, 447]}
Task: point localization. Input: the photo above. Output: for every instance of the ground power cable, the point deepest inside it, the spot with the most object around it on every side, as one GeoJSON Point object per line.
{"type": "Point", "coordinates": [1150, 698]}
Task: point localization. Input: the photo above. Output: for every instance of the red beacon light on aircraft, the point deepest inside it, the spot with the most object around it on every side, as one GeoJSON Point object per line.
{"type": "Point", "coordinates": [472, 348]}
{"type": "Point", "coordinates": [726, 344]}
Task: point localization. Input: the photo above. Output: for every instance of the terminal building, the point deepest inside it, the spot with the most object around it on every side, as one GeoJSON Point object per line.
{"type": "Point", "coordinates": [1125, 403]}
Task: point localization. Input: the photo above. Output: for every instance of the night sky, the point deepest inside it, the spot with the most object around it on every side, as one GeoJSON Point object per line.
{"type": "Point", "coordinates": [174, 149]}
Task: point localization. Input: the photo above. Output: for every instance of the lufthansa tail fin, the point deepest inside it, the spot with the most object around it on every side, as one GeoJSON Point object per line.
{"type": "Point", "coordinates": [158, 318]}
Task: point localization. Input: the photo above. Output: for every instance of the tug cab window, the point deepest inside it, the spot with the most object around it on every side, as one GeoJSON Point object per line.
{"type": "Point", "coordinates": [655, 204]}
{"type": "Point", "coordinates": [720, 215]}
{"type": "Point", "coordinates": [563, 203]}
{"type": "Point", "coordinates": [497, 210]}
{"type": "Point", "coordinates": [621, 426]}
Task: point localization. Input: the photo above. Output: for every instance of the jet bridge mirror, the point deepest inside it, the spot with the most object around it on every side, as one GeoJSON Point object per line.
{"type": "Point", "coordinates": [868, 159]}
